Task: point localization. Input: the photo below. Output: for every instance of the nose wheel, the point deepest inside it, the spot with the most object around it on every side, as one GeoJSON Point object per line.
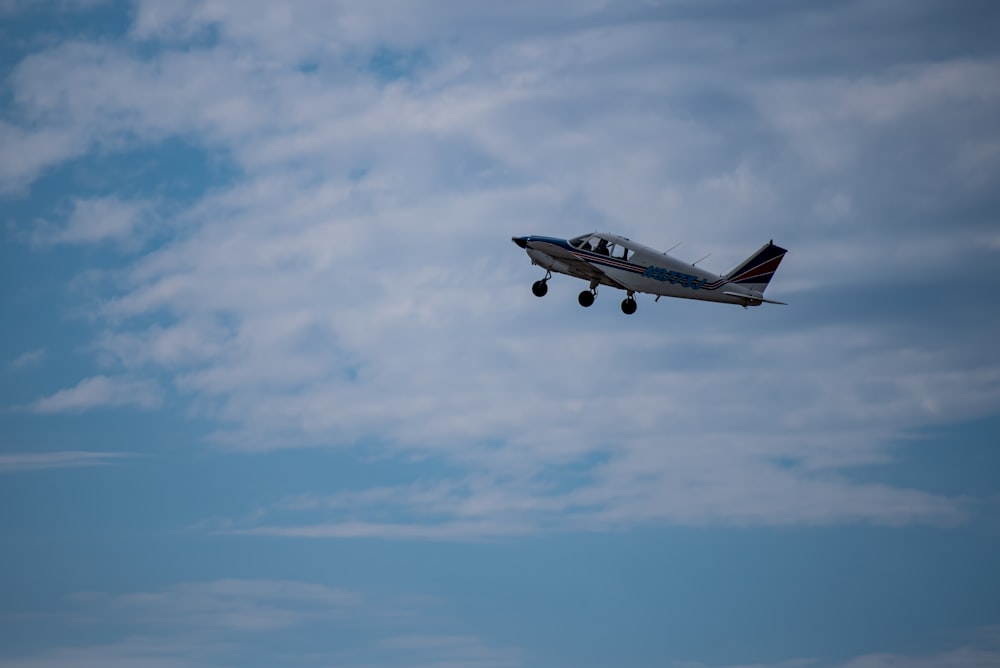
{"type": "Point", "coordinates": [628, 305]}
{"type": "Point", "coordinates": [541, 287]}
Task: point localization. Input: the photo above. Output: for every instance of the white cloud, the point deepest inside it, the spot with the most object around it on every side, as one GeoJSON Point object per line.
{"type": "Point", "coordinates": [629, 489]}
{"type": "Point", "coordinates": [133, 653]}
{"type": "Point", "coordinates": [95, 220]}
{"type": "Point", "coordinates": [268, 622]}
{"type": "Point", "coordinates": [34, 461]}
{"type": "Point", "coordinates": [25, 154]}
{"type": "Point", "coordinates": [448, 650]}
{"type": "Point", "coordinates": [28, 358]}
{"type": "Point", "coordinates": [962, 657]}
{"type": "Point", "coordinates": [834, 122]}
{"type": "Point", "coordinates": [100, 392]}
{"type": "Point", "coordinates": [791, 663]}
{"type": "Point", "coordinates": [15, 6]}
{"type": "Point", "coordinates": [965, 657]}
{"type": "Point", "coordinates": [246, 606]}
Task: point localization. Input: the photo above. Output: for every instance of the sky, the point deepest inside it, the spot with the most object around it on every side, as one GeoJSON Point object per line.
{"type": "Point", "coordinates": [274, 389]}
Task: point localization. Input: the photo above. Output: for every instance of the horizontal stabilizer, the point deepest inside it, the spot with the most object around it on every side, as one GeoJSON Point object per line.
{"type": "Point", "coordinates": [751, 298]}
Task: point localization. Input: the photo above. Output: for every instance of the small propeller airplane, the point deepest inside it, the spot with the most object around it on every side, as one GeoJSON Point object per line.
{"type": "Point", "coordinates": [608, 259]}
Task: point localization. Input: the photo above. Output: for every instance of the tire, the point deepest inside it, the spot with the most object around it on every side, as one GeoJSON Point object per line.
{"type": "Point", "coordinates": [586, 298]}
{"type": "Point", "coordinates": [539, 288]}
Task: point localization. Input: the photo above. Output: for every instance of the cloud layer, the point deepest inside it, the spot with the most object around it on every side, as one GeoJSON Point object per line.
{"type": "Point", "coordinates": [353, 284]}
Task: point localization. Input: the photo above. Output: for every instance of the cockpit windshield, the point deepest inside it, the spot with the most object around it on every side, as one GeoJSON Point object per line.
{"type": "Point", "coordinates": [596, 244]}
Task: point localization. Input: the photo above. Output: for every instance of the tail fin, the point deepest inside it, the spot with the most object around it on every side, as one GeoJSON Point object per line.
{"type": "Point", "coordinates": [756, 272]}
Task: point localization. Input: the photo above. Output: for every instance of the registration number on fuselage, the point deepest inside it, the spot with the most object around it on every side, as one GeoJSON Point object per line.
{"type": "Point", "coordinates": [674, 277]}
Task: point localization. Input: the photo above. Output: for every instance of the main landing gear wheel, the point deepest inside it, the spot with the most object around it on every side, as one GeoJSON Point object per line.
{"type": "Point", "coordinates": [539, 288]}
{"type": "Point", "coordinates": [629, 306]}
{"type": "Point", "coordinates": [586, 298]}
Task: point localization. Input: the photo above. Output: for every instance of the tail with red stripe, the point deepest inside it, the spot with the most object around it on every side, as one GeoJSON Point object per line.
{"type": "Point", "coordinates": [756, 272]}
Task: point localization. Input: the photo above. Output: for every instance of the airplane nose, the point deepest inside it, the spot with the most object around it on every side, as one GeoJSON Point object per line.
{"type": "Point", "coordinates": [520, 241]}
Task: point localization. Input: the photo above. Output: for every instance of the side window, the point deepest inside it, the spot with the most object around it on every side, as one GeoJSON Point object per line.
{"type": "Point", "coordinates": [625, 253]}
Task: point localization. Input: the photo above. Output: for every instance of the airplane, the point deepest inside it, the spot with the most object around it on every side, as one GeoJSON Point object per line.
{"type": "Point", "coordinates": [615, 261]}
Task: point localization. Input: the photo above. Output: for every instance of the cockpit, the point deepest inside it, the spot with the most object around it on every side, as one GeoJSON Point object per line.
{"type": "Point", "coordinates": [595, 243]}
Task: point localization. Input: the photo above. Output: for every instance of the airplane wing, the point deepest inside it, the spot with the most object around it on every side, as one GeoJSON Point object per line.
{"type": "Point", "coordinates": [589, 271]}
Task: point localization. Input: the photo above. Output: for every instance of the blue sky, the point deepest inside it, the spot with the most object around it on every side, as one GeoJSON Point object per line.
{"type": "Point", "coordinates": [275, 391]}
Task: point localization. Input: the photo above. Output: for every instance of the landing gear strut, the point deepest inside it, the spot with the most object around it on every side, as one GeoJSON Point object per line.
{"type": "Point", "coordinates": [540, 288]}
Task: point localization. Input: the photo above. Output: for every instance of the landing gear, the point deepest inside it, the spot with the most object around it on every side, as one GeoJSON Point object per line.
{"type": "Point", "coordinates": [586, 298]}
{"type": "Point", "coordinates": [540, 288]}
{"type": "Point", "coordinates": [628, 305]}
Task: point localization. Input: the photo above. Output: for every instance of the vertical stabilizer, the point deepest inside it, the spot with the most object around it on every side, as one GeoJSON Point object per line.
{"type": "Point", "coordinates": [756, 272]}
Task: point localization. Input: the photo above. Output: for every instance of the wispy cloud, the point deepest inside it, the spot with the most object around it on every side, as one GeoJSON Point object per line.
{"type": "Point", "coordinates": [972, 656]}
{"type": "Point", "coordinates": [94, 220]}
{"type": "Point", "coordinates": [99, 392]}
{"type": "Point", "coordinates": [614, 495]}
{"type": "Point", "coordinates": [965, 657]}
{"type": "Point", "coordinates": [249, 606]}
{"type": "Point", "coordinates": [128, 653]}
{"type": "Point", "coordinates": [262, 622]}
{"type": "Point", "coordinates": [15, 6]}
{"type": "Point", "coordinates": [26, 153]}
{"type": "Point", "coordinates": [790, 663]}
{"type": "Point", "coordinates": [11, 462]}
{"type": "Point", "coordinates": [28, 358]}
{"type": "Point", "coordinates": [453, 650]}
